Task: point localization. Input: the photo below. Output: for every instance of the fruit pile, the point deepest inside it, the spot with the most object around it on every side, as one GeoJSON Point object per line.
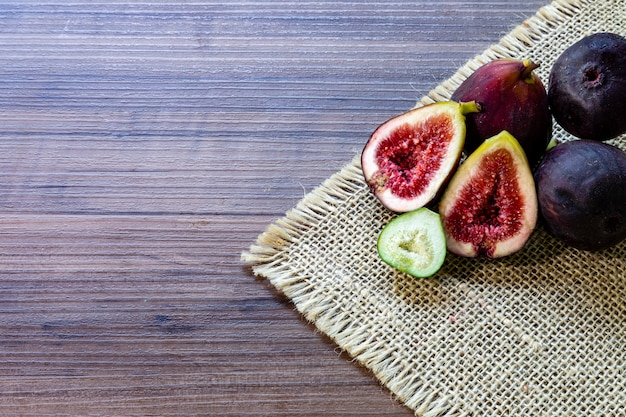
{"type": "Point", "coordinates": [501, 118]}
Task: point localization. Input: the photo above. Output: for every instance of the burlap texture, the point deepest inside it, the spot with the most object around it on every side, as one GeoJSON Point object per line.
{"type": "Point", "coordinates": [540, 333]}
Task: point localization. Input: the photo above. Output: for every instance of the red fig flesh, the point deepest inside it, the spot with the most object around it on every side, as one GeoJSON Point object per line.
{"type": "Point", "coordinates": [490, 206]}
{"type": "Point", "coordinates": [410, 157]}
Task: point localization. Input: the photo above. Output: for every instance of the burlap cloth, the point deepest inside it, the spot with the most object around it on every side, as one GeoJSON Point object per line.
{"type": "Point", "coordinates": [540, 333]}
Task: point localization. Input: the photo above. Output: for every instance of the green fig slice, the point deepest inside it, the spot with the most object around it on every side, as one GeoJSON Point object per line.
{"type": "Point", "coordinates": [414, 243]}
{"type": "Point", "coordinates": [490, 206]}
{"type": "Point", "coordinates": [409, 158]}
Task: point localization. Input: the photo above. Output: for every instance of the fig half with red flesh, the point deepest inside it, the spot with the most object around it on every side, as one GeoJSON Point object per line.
{"type": "Point", "coordinates": [409, 158]}
{"type": "Point", "coordinates": [490, 206]}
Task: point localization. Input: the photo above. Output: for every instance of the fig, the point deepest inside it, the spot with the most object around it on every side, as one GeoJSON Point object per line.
{"type": "Point", "coordinates": [512, 98]}
{"type": "Point", "coordinates": [581, 188]}
{"type": "Point", "coordinates": [409, 158]}
{"type": "Point", "coordinates": [587, 87]}
{"type": "Point", "coordinates": [490, 206]}
{"type": "Point", "coordinates": [414, 243]}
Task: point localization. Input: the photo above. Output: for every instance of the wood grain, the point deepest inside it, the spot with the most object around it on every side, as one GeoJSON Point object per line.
{"type": "Point", "coordinates": [144, 145]}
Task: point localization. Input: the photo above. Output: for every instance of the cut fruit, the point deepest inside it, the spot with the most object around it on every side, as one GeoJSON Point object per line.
{"type": "Point", "coordinates": [409, 158]}
{"type": "Point", "coordinates": [490, 206]}
{"type": "Point", "coordinates": [414, 243]}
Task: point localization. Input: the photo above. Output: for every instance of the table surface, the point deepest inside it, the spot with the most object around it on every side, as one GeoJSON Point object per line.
{"type": "Point", "coordinates": [145, 145]}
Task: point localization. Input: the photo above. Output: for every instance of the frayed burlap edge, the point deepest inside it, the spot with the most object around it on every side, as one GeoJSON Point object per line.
{"type": "Point", "coordinates": [266, 255]}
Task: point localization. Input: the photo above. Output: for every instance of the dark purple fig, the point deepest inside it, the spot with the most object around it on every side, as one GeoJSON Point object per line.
{"type": "Point", "coordinates": [490, 206]}
{"type": "Point", "coordinates": [512, 98]}
{"type": "Point", "coordinates": [587, 87]}
{"type": "Point", "coordinates": [410, 157]}
{"type": "Point", "coordinates": [581, 188]}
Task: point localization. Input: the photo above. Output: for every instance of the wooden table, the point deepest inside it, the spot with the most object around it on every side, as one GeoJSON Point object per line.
{"type": "Point", "coordinates": [145, 145]}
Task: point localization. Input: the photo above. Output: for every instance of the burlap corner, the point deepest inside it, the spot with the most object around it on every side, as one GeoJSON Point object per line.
{"type": "Point", "coordinates": [542, 332]}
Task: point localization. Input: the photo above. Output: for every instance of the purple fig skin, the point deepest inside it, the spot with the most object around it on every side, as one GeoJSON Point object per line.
{"type": "Point", "coordinates": [581, 190]}
{"type": "Point", "coordinates": [587, 87]}
{"type": "Point", "coordinates": [512, 98]}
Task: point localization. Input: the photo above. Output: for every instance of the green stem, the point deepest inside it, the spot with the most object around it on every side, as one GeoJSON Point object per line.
{"type": "Point", "coordinates": [527, 72]}
{"type": "Point", "coordinates": [470, 107]}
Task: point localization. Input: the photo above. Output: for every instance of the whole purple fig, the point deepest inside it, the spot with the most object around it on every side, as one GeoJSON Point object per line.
{"type": "Point", "coordinates": [581, 189]}
{"type": "Point", "coordinates": [587, 87]}
{"type": "Point", "coordinates": [512, 98]}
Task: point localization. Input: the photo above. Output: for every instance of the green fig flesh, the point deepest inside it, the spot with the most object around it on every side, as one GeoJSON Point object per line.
{"type": "Point", "coordinates": [414, 243]}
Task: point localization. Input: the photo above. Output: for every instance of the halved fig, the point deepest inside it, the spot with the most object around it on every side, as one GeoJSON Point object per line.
{"type": "Point", "coordinates": [410, 157]}
{"type": "Point", "coordinates": [490, 206]}
{"type": "Point", "coordinates": [414, 243]}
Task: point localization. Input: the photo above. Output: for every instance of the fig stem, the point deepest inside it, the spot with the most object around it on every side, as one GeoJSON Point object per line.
{"type": "Point", "coordinates": [551, 144]}
{"type": "Point", "coordinates": [529, 67]}
{"type": "Point", "coordinates": [470, 107]}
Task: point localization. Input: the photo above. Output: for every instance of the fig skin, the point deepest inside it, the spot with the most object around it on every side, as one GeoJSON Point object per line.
{"type": "Point", "coordinates": [587, 87]}
{"type": "Point", "coordinates": [409, 158]}
{"type": "Point", "coordinates": [512, 98]}
{"type": "Point", "coordinates": [490, 206]}
{"type": "Point", "coordinates": [581, 188]}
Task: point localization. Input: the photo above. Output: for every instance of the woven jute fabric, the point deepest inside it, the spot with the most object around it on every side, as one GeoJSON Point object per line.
{"type": "Point", "coordinates": [539, 333]}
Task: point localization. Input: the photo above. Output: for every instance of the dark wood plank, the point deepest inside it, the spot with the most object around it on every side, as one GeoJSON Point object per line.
{"type": "Point", "coordinates": [145, 145]}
